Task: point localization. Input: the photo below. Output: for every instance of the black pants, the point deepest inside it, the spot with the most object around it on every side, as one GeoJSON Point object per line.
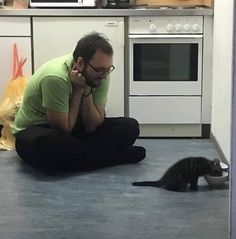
{"type": "Point", "coordinates": [51, 149]}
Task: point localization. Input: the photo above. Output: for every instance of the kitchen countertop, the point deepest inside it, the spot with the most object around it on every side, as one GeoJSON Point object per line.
{"type": "Point", "coordinates": [105, 12]}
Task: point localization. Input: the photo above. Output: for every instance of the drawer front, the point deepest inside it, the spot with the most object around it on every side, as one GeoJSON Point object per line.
{"type": "Point", "coordinates": [165, 110]}
{"type": "Point", "coordinates": [14, 26]}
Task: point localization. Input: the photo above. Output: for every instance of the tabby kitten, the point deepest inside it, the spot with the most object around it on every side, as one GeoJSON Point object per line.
{"type": "Point", "coordinates": [185, 171]}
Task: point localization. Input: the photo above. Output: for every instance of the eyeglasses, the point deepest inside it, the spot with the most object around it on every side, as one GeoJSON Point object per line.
{"type": "Point", "coordinates": [102, 73]}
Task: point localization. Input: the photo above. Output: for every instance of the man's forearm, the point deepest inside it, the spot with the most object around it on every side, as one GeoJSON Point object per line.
{"type": "Point", "coordinates": [74, 108]}
{"type": "Point", "coordinates": [91, 117]}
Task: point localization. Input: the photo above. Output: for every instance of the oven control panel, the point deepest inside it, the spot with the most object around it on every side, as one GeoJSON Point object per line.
{"type": "Point", "coordinates": [166, 25]}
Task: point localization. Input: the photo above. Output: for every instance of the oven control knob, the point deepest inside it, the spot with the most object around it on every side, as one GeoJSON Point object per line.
{"type": "Point", "coordinates": [169, 27]}
{"type": "Point", "coordinates": [152, 27]}
{"type": "Point", "coordinates": [186, 27]}
{"type": "Point", "coordinates": [195, 27]}
{"type": "Point", "coordinates": [178, 27]}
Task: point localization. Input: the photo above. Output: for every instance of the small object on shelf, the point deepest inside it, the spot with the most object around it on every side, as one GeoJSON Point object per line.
{"type": "Point", "coordinates": [8, 3]}
{"type": "Point", "coordinates": [119, 4]}
{"type": "Point", "coordinates": [20, 4]}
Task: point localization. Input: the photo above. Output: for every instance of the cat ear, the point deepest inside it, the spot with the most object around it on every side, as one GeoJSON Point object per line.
{"type": "Point", "coordinates": [216, 162]}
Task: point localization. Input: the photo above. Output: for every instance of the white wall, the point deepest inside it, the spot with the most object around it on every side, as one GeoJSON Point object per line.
{"type": "Point", "coordinates": [233, 166]}
{"type": "Point", "coordinates": [222, 75]}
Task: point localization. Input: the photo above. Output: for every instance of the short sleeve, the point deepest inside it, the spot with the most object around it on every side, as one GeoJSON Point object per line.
{"type": "Point", "coordinates": [55, 94]}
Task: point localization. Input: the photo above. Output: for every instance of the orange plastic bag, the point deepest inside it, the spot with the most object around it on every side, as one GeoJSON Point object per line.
{"type": "Point", "coordinates": [11, 101]}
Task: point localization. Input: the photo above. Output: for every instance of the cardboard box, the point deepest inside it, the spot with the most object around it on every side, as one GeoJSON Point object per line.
{"type": "Point", "coordinates": [205, 3]}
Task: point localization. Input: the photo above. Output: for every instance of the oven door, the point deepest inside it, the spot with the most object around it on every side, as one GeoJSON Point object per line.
{"type": "Point", "coordinates": [165, 64]}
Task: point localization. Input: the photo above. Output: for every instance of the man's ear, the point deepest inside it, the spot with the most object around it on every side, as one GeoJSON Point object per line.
{"type": "Point", "coordinates": [79, 64]}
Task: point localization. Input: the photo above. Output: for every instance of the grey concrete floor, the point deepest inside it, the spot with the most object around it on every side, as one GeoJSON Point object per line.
{"type": "Point", "coordinates": [103, 204]}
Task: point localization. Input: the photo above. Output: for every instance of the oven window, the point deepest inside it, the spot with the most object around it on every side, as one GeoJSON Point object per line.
{"type": "Point", "coordinates": [165, 62]}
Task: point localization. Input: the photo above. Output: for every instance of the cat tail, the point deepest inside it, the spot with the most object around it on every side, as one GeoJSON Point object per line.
{"type": "Point", "coordinates": [148, 183]}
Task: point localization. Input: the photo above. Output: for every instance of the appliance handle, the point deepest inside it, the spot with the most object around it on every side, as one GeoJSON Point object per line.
{"type": "Point", "coordinates": [165, 36]}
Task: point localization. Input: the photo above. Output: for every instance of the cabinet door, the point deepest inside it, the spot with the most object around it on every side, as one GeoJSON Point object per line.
{"type": "Point", "coordinates": [6, 58]}
{"type": "Point", "coordinates": [15, 26]}
{"type": "Point", "coordinates": [62, 35]}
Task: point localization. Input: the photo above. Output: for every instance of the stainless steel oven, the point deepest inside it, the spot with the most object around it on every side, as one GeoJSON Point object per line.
{"type": "Point", "coordinates": [165, 55]}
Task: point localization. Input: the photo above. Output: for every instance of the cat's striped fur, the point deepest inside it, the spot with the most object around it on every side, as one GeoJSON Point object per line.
{"type": "Point", "coordinates": [184, 172]}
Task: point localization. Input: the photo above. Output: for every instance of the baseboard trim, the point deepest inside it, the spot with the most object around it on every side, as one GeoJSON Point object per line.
{"type": "Point", "coordinates": [170, 130]}
{"type": "Point", "coordinates": [206, 131]}
{"type": "Point", "coordinates": [218, 149]}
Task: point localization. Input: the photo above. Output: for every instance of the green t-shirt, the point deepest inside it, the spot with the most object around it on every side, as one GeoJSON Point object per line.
{"type": "Point", "coordinates": [50, 88]}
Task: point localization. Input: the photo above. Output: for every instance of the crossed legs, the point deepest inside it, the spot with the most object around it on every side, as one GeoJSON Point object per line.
{"type": "Point", "coordinates": [111, 144]}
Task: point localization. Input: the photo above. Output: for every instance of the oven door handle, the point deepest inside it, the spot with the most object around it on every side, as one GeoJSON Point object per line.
{"type": "Point", "coordinates": [165, 36]}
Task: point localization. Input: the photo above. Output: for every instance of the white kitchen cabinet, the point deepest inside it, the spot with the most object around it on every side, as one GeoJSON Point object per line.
{"type": "Point", "coordinates": [15, 26]}
{"type": "Point", "coordinates": [14, 30]}
{"type": "Point", "coordinates": [56, 36]}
